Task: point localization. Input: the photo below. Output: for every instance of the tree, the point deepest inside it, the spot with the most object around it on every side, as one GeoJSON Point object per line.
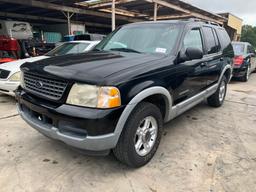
{"type": "Point", "coordinates": [249, 34]}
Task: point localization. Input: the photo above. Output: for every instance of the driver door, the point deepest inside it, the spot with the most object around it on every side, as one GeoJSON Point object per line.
{"type": "Point", "coordinates": [190, 74]}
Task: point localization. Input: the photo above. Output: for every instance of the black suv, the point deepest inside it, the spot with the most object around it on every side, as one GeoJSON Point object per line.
{"type": "Point", "coordinates": [118, 96]}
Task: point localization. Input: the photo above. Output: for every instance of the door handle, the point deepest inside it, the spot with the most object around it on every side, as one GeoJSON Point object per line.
{"type": "Point", "coordinates": [221, 59]}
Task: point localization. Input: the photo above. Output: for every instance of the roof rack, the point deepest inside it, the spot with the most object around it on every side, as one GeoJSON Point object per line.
{"type": "Point", "coordinates": [204, 21]}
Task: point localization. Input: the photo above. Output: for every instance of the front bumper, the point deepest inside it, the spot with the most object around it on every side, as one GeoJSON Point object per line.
{"type": "Point", "coordinates": [83, 128]}
{"type": "Point", "coordinates": [8, 87]}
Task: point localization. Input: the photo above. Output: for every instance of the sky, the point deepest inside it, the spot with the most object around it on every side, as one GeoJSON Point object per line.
{"type": "Point", "coordinates": [245, 9]}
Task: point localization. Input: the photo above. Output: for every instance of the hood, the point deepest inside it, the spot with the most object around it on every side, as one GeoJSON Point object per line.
{"type": "Point", "coordinates": [14, 66]}
{"type": "Point", "coordinates": [92, 66]}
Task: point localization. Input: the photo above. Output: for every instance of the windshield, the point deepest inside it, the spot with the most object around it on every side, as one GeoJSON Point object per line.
{"type": "Point", "coordinates": [68, 48]}
{"type": "Point", "coordinates": [239, 49]}
{"type": "Point", "coordinates": [144, 38]}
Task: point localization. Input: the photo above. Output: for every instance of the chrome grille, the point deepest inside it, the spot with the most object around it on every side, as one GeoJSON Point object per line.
{"type": "Point", "coordinates": [44, 86]}
{"type": "Point", "coordinates": [4, 74]}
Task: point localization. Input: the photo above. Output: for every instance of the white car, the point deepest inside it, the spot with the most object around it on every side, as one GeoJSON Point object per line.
{"type": "Point", "coordinates": [10, 72]}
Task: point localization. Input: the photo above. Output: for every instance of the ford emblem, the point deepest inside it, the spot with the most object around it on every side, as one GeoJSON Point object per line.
{"type": "Point", "coordinates": [39, 84]}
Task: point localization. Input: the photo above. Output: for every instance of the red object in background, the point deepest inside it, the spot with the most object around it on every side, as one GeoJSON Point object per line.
{"type": "Point", "coordinates": [9, 49]}
{"type": "Point", "coordinates": [9, 44]}
{"type": "Point", "coordinates": [238, 60]}
{"type": "Point", "coordinates": [5, 60]}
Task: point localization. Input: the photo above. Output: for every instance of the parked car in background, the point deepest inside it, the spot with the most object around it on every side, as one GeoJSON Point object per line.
{"type": "Point", "coordinates": [117, 96]}
{"type": "Point", "coordinates": [10, 72]}
{"type": "Point", "coordinates": [244, 61]}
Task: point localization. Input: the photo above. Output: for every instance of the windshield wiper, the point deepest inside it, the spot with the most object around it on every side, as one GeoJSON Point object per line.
{"type": "Point", "coordinates": [125, 50]}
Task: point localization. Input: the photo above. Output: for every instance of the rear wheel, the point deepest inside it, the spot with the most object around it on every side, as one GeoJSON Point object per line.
{"type": "Point", "coordinates": [217, 99]}
{"type": "Point", "coordinates": [141, 136]}
{"type": "Point", "coordinates": [246, 76]}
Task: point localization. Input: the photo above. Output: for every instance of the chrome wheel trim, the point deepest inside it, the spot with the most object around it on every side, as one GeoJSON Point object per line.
{"type": "Point", "coordinates": [248, 73]}
{"type": "Point", "coordinates": [145, 136]}
{"type": "Point", "coordinates": [222, 91]}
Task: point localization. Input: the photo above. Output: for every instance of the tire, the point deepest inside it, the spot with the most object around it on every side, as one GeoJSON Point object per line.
{"type": "Point", "coordinates": [126, 150]}
{"type": "Point", "coordinates": [217, 99]}
{"type": "Point", "coordinates": [246, 76]}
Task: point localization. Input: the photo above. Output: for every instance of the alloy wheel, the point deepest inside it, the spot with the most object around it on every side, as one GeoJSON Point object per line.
{"type": "Point", "coordinates": [146, 135]}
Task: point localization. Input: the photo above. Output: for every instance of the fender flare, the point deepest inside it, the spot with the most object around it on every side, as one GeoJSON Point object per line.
{"type": "Point", "coordinates": [227, 67]}
{"type": "Point", "coordinates": [137, 99]}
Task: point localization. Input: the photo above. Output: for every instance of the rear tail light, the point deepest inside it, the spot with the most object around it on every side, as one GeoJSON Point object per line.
{"type": "Point", "coordinates": [239, 60]}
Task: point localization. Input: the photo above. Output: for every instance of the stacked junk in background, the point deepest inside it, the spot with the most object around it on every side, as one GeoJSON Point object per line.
{"type": "Point", "coordinates": [16, 42]}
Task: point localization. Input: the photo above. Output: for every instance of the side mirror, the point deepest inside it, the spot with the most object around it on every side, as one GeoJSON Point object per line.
{"type": "Point", "coordinates": [193, 53]}
{"type": "Point", "coordinates": [190, 54]}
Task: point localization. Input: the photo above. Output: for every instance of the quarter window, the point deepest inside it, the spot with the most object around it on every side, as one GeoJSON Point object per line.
{"type": "Point", "coordinates": [224, 37]}
{"type": "Point", "coordinates": [193, 39]}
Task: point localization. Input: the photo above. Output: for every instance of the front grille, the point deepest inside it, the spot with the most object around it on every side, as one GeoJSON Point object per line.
{"type": "Point", "coordinates": [4, 74]}
{"type": "Point", "coordinates": [44, 86]}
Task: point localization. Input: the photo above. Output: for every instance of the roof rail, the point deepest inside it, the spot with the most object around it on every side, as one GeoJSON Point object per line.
{"type": "Point", "coordinates": [204, 21]}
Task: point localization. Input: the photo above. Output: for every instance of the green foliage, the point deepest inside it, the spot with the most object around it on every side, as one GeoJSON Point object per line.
{"type": "Point", "coordinates": [249, 34]}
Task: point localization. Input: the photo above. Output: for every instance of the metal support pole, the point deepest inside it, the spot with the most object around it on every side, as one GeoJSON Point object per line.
{"type": "Point", "coordinates": [155, 11]}
{"type": "Point", "coordinates": [69, 26]}
{"type": "Point", "coordinates": [68, 16]}
{"type": "Point", "coordinates": [113, 15]}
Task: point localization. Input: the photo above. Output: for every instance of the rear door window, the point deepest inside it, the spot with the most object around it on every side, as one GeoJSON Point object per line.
{"type": "Point", "coordinates": [217, 42]}
{"type": "Point", "coordinates": [212, 42]}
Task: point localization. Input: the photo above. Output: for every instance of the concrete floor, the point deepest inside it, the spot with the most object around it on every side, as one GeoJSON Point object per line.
{"type": "Point", "coordinates": [204, 150]}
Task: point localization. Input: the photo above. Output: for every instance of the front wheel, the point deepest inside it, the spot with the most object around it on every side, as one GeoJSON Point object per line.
{"type": "Point", "coordinates": [141, 136]}
{"type": "Point", "coordinates": [217, 99]}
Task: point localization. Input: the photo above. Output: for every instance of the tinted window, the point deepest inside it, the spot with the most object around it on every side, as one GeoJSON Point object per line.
{"type": "Point", "coordinates": [193, 39]}
{"type": "Point", "coordinates": [0, 26]}
{"type": "Point", "coordinates": [239, 49]}
{"type": "Point", "coordinates": [224, 37]}
{"type": "Point", "coordinates": [217, 42]}
{"type": "Point", "coordinates": [211, 41]}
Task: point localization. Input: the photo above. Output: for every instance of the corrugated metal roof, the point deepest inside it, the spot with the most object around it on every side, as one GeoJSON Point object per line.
{"type": "Point", "coordinates": [142, 10]}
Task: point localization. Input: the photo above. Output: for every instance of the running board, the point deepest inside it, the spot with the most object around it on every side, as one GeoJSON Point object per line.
{"type": "Point", "coordinates": [191, 102]}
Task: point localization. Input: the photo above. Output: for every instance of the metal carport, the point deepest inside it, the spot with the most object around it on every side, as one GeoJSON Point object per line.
{"type": "Point", "coordinates": [96, 15]}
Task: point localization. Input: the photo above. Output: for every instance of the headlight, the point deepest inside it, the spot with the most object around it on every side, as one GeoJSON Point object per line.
{"type": "Point", "coordinates": [15, 77]}
{"type": "Point", "coordinates": [94, 96]}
